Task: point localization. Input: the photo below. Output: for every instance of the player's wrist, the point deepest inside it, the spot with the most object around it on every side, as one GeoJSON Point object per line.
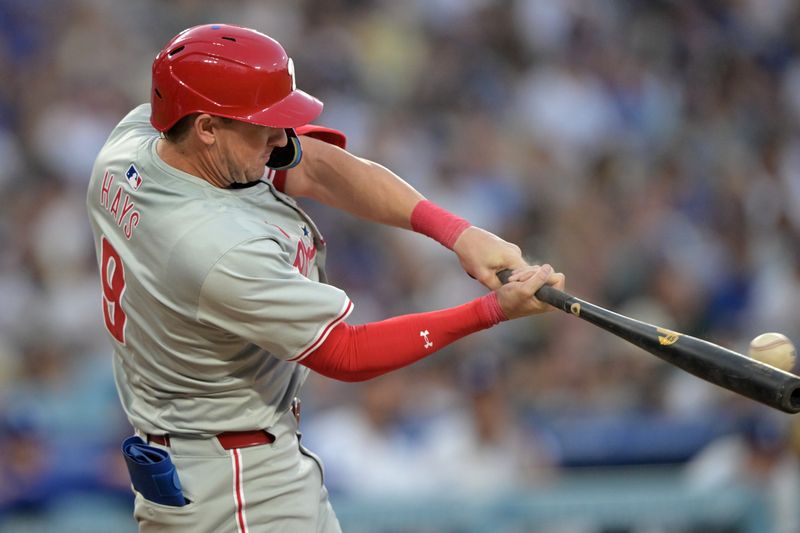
{"type": "Point", "coordinates": [490, 310]}
{"type": "Point", "coordinates": [437, 223]}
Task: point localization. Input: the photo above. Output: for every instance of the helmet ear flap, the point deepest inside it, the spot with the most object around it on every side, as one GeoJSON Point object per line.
{"type": "Point", "coordinates": [286, 157]}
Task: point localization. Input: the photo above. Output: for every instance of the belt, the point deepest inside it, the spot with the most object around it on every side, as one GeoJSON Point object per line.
{"type": "Point", "coordinates": [238, 439]}
{"type": "Point", "coordinates": [228, 440]}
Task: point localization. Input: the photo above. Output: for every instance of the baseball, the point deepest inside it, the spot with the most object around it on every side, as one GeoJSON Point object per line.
{"type": "Point", "coordinates": [774, 349]}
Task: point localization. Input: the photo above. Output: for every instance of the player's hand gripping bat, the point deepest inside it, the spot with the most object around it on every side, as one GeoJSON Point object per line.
{"type": "Point", "coordinates": [712, 363]}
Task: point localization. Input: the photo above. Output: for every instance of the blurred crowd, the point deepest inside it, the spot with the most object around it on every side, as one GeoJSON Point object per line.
{"type": "Point", "coordinates": [648, 149]}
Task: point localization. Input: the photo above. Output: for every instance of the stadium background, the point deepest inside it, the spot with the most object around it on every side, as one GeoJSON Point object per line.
{"type": "Point", "coordinates": [648, 149]}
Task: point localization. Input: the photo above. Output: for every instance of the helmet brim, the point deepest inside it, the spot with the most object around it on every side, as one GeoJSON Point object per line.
{"type": "Point", "coordinates": [295, 110]}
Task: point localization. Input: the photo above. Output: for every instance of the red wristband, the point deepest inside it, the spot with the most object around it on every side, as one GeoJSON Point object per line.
{"type": "Point", "coordinates": [437, 223]}
{"type": "Point", "coordinates": [491, 307]}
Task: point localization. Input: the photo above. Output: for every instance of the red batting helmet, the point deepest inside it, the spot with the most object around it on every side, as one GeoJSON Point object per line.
{"type": "Point", "coordinates": [231, 72]}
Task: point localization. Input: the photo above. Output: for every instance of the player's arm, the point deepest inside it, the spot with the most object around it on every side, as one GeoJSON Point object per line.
{"type": "Point", "coordinates": [370, 191]}
{"type": "Point", "coordinates": [358, 353]}
{"type": "Point", "coordinates": [339, 179]}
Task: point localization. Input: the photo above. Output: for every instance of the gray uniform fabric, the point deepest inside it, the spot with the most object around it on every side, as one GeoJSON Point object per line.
{"type": "Point", "coordinates": [209, 295]}
{"type": "Point", "coordinates": [279, 489]}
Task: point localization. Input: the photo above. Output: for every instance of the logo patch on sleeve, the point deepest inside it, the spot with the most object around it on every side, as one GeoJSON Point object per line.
{"type": "Point", "coordinates": [133, 177]}
{"type": "Point", "coordinates": [424, 334]}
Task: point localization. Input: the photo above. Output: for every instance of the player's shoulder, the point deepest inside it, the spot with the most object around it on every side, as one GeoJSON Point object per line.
{"type": "Point", "coordinates": [129, 134]}
{"type": "Point", "coordinates": [135, 125]}
{"type": "Point", "coordinates": [136, 121]}
{"type": "Point", "coordinates": [138, 115]}
{"type": "Point", "coordinates": [323, 133]}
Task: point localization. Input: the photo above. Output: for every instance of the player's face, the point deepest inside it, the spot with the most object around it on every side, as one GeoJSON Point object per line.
{"type": "Point", "coordinates": [243, 148]}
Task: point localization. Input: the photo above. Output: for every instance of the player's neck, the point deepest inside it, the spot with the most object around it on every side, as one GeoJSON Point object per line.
{"type": "Point", "coordinates": [171, 154]}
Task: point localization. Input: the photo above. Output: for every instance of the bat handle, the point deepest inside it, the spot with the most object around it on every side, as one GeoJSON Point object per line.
{"type": "Point", "coordinates": [547, 293]}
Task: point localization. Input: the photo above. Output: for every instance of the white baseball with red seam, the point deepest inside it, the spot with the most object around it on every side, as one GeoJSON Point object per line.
{"type": "Point", "coordinates": [774, 349]}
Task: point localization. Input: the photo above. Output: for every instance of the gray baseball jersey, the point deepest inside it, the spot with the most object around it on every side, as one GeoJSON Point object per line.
{"type": "Point", "coordinates": [210, 295]}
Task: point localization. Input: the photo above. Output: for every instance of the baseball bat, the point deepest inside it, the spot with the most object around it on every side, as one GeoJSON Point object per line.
{"type": "Point", "coordinates": [710, 362]}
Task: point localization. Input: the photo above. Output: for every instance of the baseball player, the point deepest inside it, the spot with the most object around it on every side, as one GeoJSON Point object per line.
{"type": "Point", "coordinates": [213, 286]}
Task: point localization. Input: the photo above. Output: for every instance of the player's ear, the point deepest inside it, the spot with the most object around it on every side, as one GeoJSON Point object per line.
{"type": "Point", "coordinates": [204, 126]}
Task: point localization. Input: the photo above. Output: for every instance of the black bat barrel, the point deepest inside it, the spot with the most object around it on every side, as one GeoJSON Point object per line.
{"type": "Point", "coordinates": [710, 362]}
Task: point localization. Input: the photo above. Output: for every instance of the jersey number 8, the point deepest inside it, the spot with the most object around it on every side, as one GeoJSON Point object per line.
{"type": "Point", "coordinates": [112, 274]}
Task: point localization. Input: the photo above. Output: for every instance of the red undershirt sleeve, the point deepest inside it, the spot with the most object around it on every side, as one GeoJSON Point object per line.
{"type": "Point", "coordinates": [359, 353]}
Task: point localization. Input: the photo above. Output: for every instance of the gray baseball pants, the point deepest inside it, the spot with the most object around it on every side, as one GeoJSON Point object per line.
{"type": "Point", "coordinates": [275, 487]}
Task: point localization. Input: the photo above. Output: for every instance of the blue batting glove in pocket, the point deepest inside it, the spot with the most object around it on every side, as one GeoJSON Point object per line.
{"type": "Point", "coordinates": [152, 473]}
